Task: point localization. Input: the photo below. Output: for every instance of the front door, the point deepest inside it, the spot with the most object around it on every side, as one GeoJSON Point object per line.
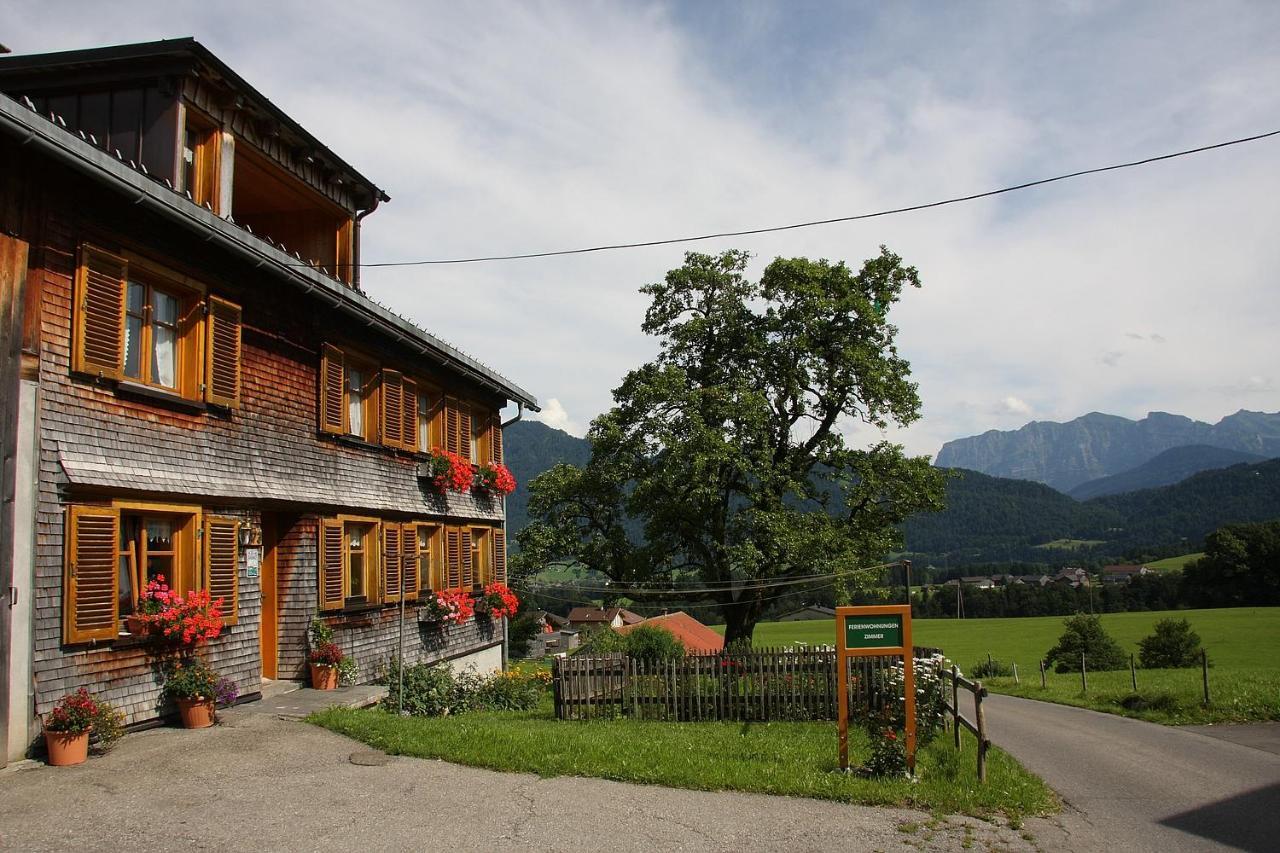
{"type": "Point", "coordinates": [267, 630]}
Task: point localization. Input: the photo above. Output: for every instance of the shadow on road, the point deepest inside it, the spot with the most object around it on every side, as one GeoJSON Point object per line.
{"type": "Point", "coordinates": [1248, 821]}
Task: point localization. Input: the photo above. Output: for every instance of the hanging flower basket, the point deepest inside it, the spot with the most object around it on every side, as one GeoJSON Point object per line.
{"type": "Point", "coordinates": [449, 472]}
{"type": "Point", "coordinates": [452, 605]}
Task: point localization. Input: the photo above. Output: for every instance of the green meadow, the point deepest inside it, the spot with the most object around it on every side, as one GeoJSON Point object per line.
{"type": "Point", "coordinates": [1243, 646]}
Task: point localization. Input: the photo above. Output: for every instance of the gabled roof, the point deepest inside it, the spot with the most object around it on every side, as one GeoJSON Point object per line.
{"type": "Point", "coordinates": [602, 615]}
{"type": "Point", "coordinates": [177, 56]}
{"type": "Point", "coordinates": [1124, 569]}
{"type": "Point", "coordinates": [695, 636]}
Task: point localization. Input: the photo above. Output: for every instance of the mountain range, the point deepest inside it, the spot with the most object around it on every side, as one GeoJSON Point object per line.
{"type": "Point", "coordinates": [1096, 446]}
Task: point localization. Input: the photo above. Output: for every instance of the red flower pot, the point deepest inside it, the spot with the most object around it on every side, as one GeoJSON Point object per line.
{"type": "Point", "coordinates": [324, 677]}
{"type": "Point", "coordinates": [67, 748]}
{"type": "Point", "coordinates": [196, 713]}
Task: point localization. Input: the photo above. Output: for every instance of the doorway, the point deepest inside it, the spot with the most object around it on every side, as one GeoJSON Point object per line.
{"type": "Point", "coordinates": [268, 628]}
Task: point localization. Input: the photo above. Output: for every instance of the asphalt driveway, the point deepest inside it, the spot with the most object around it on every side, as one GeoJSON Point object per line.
{"type": "Point", "coordinates": [259, 783]}
{"type": "Point", "coordinates": [1132, 785]}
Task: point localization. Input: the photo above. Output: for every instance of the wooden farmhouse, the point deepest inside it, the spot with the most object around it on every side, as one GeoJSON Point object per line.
{"type": "Point", "coordinates": [196, 386]}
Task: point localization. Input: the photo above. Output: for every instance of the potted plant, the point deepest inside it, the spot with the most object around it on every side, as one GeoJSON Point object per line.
{"type": "Point", "coordinates": [452, 605]}
{"type": "Point", "coordinates": [67, 726]}
{"type": "Point", "coordinates": [193, 686]}
{"type": "Point", "coordinates": [324, 661]}
{"type": "Point", "coordinates": [495, 478]}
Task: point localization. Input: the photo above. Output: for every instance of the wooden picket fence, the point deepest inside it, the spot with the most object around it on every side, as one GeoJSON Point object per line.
{"type": "Point", "coordinates": [760, 685]}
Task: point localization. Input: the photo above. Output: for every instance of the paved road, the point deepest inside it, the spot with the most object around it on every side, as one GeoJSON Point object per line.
{"type": "Point", "coordinates": [1131, 785]}
{"type": "Point", "coordinates": [257, 783]}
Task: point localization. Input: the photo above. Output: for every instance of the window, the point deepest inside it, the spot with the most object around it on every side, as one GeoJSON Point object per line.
{"type": "Point", "coordinates": [348, 403]}
{"type": "Point", "coordinates": [350, 568]}
{"type": "Point", "coordinates": [489, 555]}
{"type": "Point", "coordinates": [113, 552]}
{"type": "Point", "coordinates": [198, 171]}
{"type": "Point", "coordinates": [430, 557]}
{"type": "Point", "coordinates": [140, 322]}
{"type": "Point", "coordinates": [152, 335]}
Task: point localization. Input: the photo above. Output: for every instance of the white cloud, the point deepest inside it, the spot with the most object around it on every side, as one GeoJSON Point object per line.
{"type": "Point", "coordinates": [554, 415]}
{"type": "Point", "coordinates": [513, 127]}
{"type": "Point", "coordinates": [1013, 406]}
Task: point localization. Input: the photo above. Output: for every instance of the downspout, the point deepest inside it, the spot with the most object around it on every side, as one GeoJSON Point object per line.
{"type": "Point", "coordinates": [378, 196]}
{"type": "Point", "coordinates": [519, 415]}
{"type": "Point", "coordinates": [506, 638]}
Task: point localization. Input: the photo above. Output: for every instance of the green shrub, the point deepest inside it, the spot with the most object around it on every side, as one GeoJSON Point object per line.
{"type": "Point", "coordinates": [991, 668]}
{"type": "Point", "coordinates": [603, 641]}
{"type": "Point", "coordinates": [521, 632]}
{"type": "Point", "coordinates": [1172, 645]}
{"type": "Point", "coordinates": [653, 644]}
{"type": "Point", "coordinates": [1084, 635]}
{"type": "Point", "coordinates": [1162, 701]}
{"type": "Point", "coordinates": [108, 727]}
{"type": "Point", "coordinates": [434, 690]}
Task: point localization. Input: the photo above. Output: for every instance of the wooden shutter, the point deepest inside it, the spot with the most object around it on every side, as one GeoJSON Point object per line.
{"type": "Point", "coordinates": [392, 406]}
{"type": "Point", "coordinates": [495, 439]}
{"type": "Point", "coordinates": [333, 382]}
{"type": "Point", "coordinates": [392, 559]}
{"type": "Point", "coordinates": [453, 557]}
{"type": "Point", "coordinates": [91, 589]}
{"type": "Point", "coordinates": [331, 562]}
{"type": "Point", "coordinates": [409, 415]}
{"type": "Point", "coordinates": [468, 564]}
{"type": "Point", "coordinates": [464, 432]}
{"type": "Point", "coordinates": [409, 560]}
{"type": "Point", "coordinates": [500, 556]}
{"type": "Point", "coordinates": [452, 427]}
{"type": "Point", "coordinates": [222, 354]}
{"type": "Point", "coordinates": [99, 313]}
{"type": "Point", "coordinates": [221, 564]}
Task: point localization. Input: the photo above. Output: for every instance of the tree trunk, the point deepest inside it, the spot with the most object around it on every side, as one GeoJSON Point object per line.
{"type": "Point", "coordinates": [740, 618]}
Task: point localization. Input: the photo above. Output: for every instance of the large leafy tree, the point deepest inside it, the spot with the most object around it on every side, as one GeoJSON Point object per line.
{"type": "Point", "coordinates": [724, 461]}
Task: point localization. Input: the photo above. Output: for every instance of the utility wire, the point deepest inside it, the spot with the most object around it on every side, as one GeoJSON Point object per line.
{"type": "Point", "coordinates": [811, 223]}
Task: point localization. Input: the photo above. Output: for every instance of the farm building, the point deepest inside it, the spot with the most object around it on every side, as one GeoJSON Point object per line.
{"type": "Point", "coordinates": [201, 390]}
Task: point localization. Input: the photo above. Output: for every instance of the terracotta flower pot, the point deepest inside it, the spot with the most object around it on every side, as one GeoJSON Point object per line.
{"type": "Point", "coordinates": [67, 748]}
{"type": "Point", "coordinates": [196, 713]}
{"type": "Point", "coordinates": [324, 677]}
{"type": "Point", "coordinates": [137, 626]}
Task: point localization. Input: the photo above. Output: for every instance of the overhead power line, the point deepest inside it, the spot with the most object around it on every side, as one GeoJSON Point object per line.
{"type": "Point", "coordinates": [746, 232]}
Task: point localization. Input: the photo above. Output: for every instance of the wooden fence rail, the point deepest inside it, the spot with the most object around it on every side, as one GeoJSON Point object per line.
{"type": "Point", "coordinates": [978, 725]}
{"type": "Point", "coordinates": [759, 685]}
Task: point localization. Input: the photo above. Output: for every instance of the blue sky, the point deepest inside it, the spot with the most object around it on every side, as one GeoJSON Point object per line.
{"type": "Point", "coordinates": [520, 127]}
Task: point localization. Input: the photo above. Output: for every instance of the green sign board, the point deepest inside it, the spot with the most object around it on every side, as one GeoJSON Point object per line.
{"type": "Point", "coordinates": [873, 632]}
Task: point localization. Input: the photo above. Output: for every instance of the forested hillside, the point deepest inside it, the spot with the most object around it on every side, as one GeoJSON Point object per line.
{"type": "Point", "coordinates": [1172, 466]}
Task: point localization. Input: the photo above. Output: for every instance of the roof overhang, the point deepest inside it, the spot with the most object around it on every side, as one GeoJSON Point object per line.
{"type": "Point", "coordinates": [97, 165]}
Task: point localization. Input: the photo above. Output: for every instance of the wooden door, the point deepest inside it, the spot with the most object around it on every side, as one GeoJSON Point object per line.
{"type": "Point", "coordinates": [268, 629]}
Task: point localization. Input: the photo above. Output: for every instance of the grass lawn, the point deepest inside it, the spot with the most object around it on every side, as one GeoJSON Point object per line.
{"type": "Point", "coordinates": [1243, 645]}
{"type": "Point", "coordinates": [1169, 564]}
{"type": "Point", "coordinates": [1071, 544]}
{"type": "Point", "coordinates": [793, 759]}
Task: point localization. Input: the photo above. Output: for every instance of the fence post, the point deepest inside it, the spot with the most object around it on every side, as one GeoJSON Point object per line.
{"type": "Point", "coordinates": [1042, 684]}
{"type": "Point", "coordinates": [1133, 673]}
{"type": "Point", "coordinates": [1084, 678]}
{"type": "Point", "coordinates": [980, 723]}
{"type": "Point", "coordinates": [955, 703]}
{"type": "Point", "coordinates": [1015, 673]}
{"type": "Point", "coordinates": [1204, 669]}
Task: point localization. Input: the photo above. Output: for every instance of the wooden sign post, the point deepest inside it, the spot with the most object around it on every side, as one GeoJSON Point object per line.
{"type": "Point", "coordinates": [868, 632]}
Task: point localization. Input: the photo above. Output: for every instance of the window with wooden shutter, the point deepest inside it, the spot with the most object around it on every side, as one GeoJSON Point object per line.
{"type": "Point", "coordinates": [91, 592]}
{"type": "Point", "coordinates": [409, 415]}
{"type": "Point", "coordinates": [464, 433]}
{"type": "Point", "coordinates": [392, 408]}
{"type": "Point", "coordinates": [222, 354]}
{"type": "Point", "coordinates": [500, 556]}
{"type": "Point", "coordinates": [468, 563]}
{"type": "Point", "coordinates": [332, 406]}
{"type": "Point", "coordinates": [409, 560]}
{"type": "Point", "coordinates": [331, 564]}
{"type": "Point", "coordinates": [392, 555]}
{"type": "Point", "coordinates": [453, 557]}
{"type": "Point", "coordinates": [495, 440]}
{"type": "Point", "coordinates": [99, 311]}
{"type": "Point", "coordinates": [221, 564]}
{"type": "Point", "coordinates": [452, 426]}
